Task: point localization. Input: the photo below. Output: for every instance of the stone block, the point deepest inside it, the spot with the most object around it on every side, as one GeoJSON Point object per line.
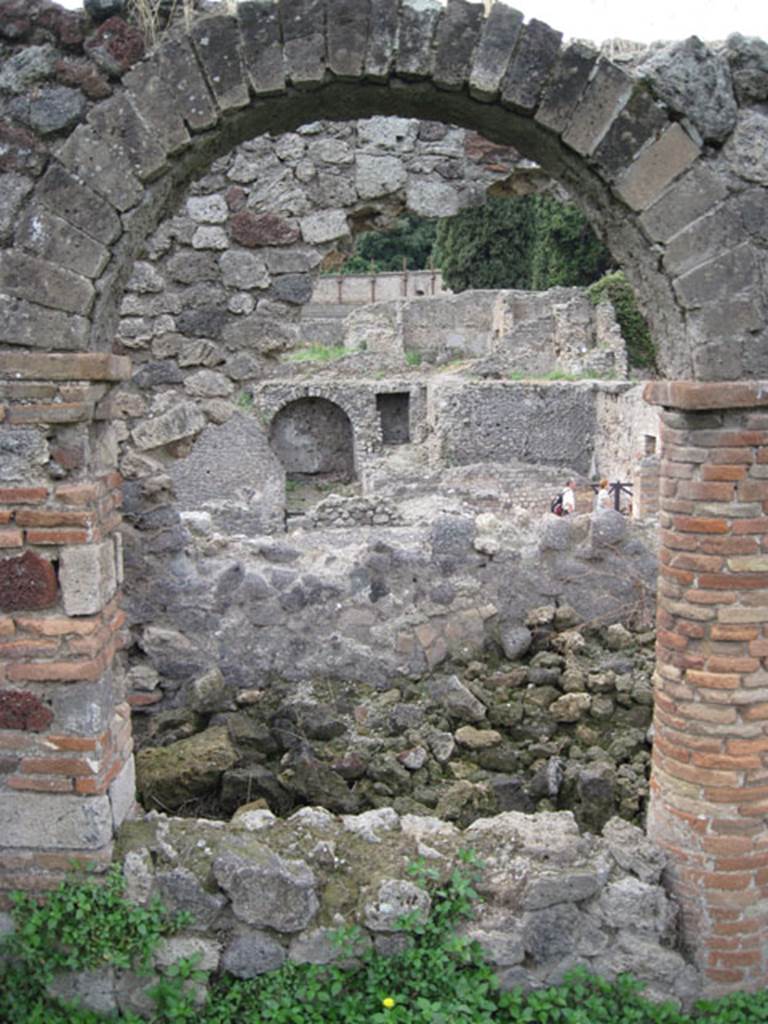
{"type": "Point", "coordinates": [252, 954]}
{"type": "Point", "coordinates": [432, 199]}
{"type": "Point", "coordinates": [40, 281]}
{"type": "Point", "coordinates": [56, 240]}
{"type": "Point", "coordinates": [691, 196]}
{"type": "Point", "coordinates": [267, 890]}
{"type": "Point", "coordinates": [498, 38]}
{"type": "Point", "coordinates": [81, 823]}
{"type": "Point", "coordinates": [92, 990]}
{"type": "Point", "coordinates": [747, 148]}
{"type": "Point", "coordinates": [566, 85]}
{"type": "Point", "coordinates": [702, 240]}
{"type": "Point", "coordinates": [324, 226]}
{"type": "Point", "coordinates": [640, 121]}
{"type": "Point", "coordinates": [261, 46]}
{"type": "Point", "coordinates": [655, 167]}
{"type": "Point", "coordinates": [303, 23]}
{"type": "Point", "coordinates": [183, 420]}
{"type": "Point", "coordinates": [185, 84]}
{"type": "Point", "coordinates": [217, 43]}
{"type": "Point", "coordinates": [717, 279]}
{"type": "Point", "coordinates": [694, 81]}
{"type": "Point", "coordinates": [535, 55]}
{"type": "Point", "coordinates": [120, 126]}
{"type": "Point", "coordinates": [70, 199]}
{"type": "Point", "coordinates": [378, 175]}
{"type": "Point", "coordinates": [382, 39]}
{"type": "Point", "coordinates": [347, 36]}
{"type": "Point", "coordinates": [23, 452]}
{"type": "Point", "coordinates": [256, 229]}
{"type": "Point", "coordinates": [416, 31]}
{"type": "Point", "coordinates": [605, 95]}
{"type": "Point", "coordinates": [149, 95]}
{"type": "Point", "coordinates": [177, 947]}
{"type": "Point", "coordinates": [88, 577]}
{"type": "Point", "coordinates": [14, 188]}
{"type": "Point", "coordinates": [122, 793]}
{"type": "Point", "coordinates": [457, 35]}
{"type": "Point", "coordinates": [243, 270]}
{"type": "Point", "coordinates": [102, 165]}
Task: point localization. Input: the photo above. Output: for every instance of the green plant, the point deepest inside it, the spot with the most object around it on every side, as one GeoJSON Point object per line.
{"type": "Point", "coordinates": [244, 401]}
{"type": "Point", "coordinates": [413, 358]}
{"type": "Point", "coordinates": [316, 354]}
{"type": "Point", "coordinates": [615, 288]}
{"type": "Point", "coordinates": [83, 924]}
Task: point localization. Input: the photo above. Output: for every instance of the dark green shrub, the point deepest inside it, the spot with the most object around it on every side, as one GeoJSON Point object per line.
{"type": "Point", "coordinates": [617, 290]}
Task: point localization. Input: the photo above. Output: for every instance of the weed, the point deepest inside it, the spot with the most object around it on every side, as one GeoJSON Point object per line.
{"type": "Point", "coordinates": [413, 358]}
{"type": "Point", "coordinates": [316, 354]}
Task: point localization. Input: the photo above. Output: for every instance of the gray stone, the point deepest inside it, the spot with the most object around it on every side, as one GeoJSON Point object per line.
{"type": "Point", "coordinates": [38, 280]}
{"type": "Point", "coordinates": [515, 641]}
{"type": "Point", "coordinates": [639, 907]}
{"type": "Point", "coordinates": [188, 93]}
{"type": "Point", "coordinates": [571, 707]}
{"type": "Point", "coordinates": [394, 899]}
{"type": "Point", "coordinates": [572, 886]}
{"type": "Point", "coordinates": [92, 990]}
{"type": "Point", "coordinates": [26, 68]}
{"type": "Point", "coordinates": [243, 270]}
{"type": "Point", "coordinates": [58, 241]}
{"type": "Point", "coordinates": [210, 236]}
{"type": "Point", "coordinates": [607, 528]}
{"type": "Point", "coordinates": [295, 289]}
{"type": "Point", "coordinates": [457, 35]}
{"type": "Point", "coordinates": [608, 90]}
{"type": "Point", "coordinates": [23, 451]}
{"type": "Point", "coordinates": [552, 932]}
{"type": "Point", "coordinates": [531, 64]}
{"type": "Point", "coordinates": [55, 109]}
{"type": "Point", "coordinates": [416, 31]}
{"type": "Point", "coordinates": [432, 198]}
{"type": "Point", "coordinates": [183, 420]}
{"type": "Point", "coordinates": [633, 851]}
{"type": "Point", "coordinates": [303, 41]}
{"type": "Point", "coordinates": [324, 226]}
{"type": "Point", "coordinates": [347, 36]}
{"type": "Point", "coordinates": [70, 199]}
{"type": "Point", "coordinates": [747, 149]}
{"type": "Point", "coordinates": [497, 41]}
{"type": "Point", "coordinates": [378, 175]}
{"type": "Point", "coordinates": [87, 576]}
{"type": "Point", "coordinates": [695, 194]}
{"type": "Point", "coordinates": [208, 384]}
{"type": "Point", "coordinates": [82, 823]}
{"type": "Point", "coordinates": [695, 82]}
{"type": "Point", "coordinates": [180, 889]}
{"type": "Point", "coordinates": [206, 952]}
{"type": "Point", "coordinates": [267, 890]}
{"type": "Point", "coordinates": [209, 693]}
{"type": "Point", "coordinates": [638, 123]}
{"type": "Point", "coordinates": [568, 81]}
{"type": "Point", "coordinates": [216, 41]}
{"type": "Point", "coordinates": [14, 188]}
{"type": "Point", "coordinates": [252, 954]}
{"type": "Point", "coordinates": [102, 166]}
{"type": "Point", "coordinates": [264, 333]}
{"type": "Point", "coordinates": [457, 701]}
{"type": "Point", "coordinates": [656, 166]}
{"type": "Point", "coordinates": [261, 46]}
{"type": "Point", "coordinates": [168, 777]}
{"type": "Point", "coordinates": [382, 39]}
{"type": "Point", "coordinates": [748, 60]}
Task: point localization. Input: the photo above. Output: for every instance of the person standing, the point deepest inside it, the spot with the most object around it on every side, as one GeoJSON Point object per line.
{"type": "Point", "coordinates": [603, 497]}
{"type": "Point", "coordinates": [569, 498]}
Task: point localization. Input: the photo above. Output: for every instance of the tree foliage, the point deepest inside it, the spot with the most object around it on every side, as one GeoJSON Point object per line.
{"type": "Point", "coordinates": [411, 238]}
{"type": "Point", "coordinates": [531, 242]}
{"type": "Point", "coordinates": [615, 289]}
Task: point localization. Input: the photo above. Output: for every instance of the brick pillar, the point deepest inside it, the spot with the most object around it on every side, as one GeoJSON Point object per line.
{"type": "Point", "coordinates": [709, 788]}
{"type": "Point", "coordinates": [645, 497]}
{"type": "Point", "coordinates": [66, 766]}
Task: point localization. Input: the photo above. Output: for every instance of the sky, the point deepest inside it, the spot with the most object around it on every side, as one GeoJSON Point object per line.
{"type": "Point", "coordinates": [644, 21]}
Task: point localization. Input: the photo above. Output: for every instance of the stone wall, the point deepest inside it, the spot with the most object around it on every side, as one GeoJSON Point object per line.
{"type": "Point", "coordinates": [265, 892]}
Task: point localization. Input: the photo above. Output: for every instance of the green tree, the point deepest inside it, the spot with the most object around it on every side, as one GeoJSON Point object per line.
{"type": "Point", "coordinates": [410, 238]}
{"type": "Point", "coordinates": [531, 242]}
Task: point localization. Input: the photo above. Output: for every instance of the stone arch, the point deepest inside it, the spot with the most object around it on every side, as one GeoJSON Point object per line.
{"type": "Point", "coordinates": [678, 202]}
{"type": "Point", "coordinates": [313, 438]}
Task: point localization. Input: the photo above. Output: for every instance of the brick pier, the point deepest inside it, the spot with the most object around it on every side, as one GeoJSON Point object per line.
{"type": "Point", "coordinates": [709, 801]}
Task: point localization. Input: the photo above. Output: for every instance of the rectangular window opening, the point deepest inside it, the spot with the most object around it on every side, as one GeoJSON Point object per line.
{"type": "Point", "coordinates": [394, 414]}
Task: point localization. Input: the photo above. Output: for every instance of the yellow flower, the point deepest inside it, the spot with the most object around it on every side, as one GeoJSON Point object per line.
{"type": "Point", "coordinates": [388, 1002]}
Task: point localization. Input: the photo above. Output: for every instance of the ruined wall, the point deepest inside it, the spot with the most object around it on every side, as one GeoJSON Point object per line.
{"type": "Point", "coordinates": [550, 898]}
